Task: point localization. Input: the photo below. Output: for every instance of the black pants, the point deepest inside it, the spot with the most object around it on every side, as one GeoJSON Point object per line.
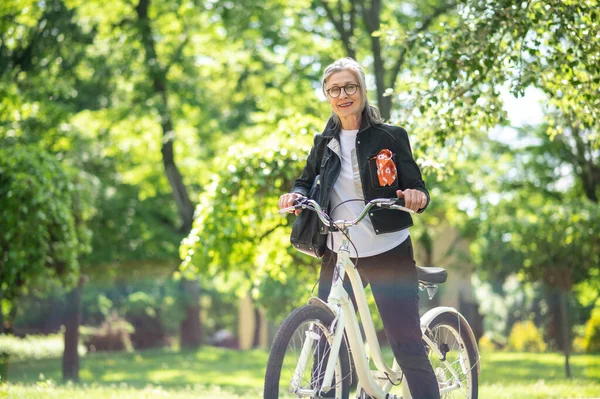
{"type": "Point", "coordinates": [395, 286]}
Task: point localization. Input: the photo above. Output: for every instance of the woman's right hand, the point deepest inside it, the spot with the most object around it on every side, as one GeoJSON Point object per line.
{"type": "Point", "coordinates": [287, 200]}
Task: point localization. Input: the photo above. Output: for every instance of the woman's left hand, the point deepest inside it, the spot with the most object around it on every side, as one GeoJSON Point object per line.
{"type": "Point", "coordinates": [413, 199]}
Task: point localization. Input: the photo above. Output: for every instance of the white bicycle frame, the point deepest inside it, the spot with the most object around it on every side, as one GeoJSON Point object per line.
{"type": "Point", "coordinates": [376, 383]}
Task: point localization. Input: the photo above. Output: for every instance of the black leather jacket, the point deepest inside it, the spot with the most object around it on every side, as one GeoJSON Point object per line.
{"type": "Point", "coordinates": [324, 164]}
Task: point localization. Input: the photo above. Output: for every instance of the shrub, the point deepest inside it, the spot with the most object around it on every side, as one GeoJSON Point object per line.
{"type": "Point", "coordinates": [141, 311]}
{"type": "Point", "coordinates": [41, 312]}
{"type": "Point", "coordinates": [34, 347]}
{"type": "Point", "coordinates": [525, 337]}
{"type": "Point", "coordinates": [112, 335]}
{"type": "Point", "coordinates": [591, 336]}
{"type": "Point", "coordinates": [488, 344]}
{"type": "Point", "coordinates": [512, 300]}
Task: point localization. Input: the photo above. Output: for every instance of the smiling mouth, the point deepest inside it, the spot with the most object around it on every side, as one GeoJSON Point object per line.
{"type": "Point", "coordinates": [345, 105]}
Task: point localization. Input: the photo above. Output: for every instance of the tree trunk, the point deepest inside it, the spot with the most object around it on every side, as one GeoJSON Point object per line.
{"type": "Point", "coordinates": [384, 103]}
{"type": "Point", "coordinates": [553, 332]}
{"type": "Point", "coordinates": [372, 20]}
{"type": "Point", "coordinates": [257, 323]}
{"type": "Point", "coordinates": [589, 172]}
{"type": "Point", "coordinates": [9, 322]}
{"type": "Point", "coordinates": [186, 209]}
{"type": "Point", "coordinates": [560, 281]}
{"type": "Point", "coordinates": [565, 336]}
{"type": "Point", "coordinates": [1, 312]}
{"type": "Point", "coordinates": [190, 328]}
{"type": "Point", "coordinates": [72, 321]}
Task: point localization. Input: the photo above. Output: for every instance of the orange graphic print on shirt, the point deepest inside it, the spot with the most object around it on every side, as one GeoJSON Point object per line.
{"type": "Point", "coordinates": [386, 168]}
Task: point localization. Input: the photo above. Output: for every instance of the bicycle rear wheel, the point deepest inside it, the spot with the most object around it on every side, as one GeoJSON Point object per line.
{"type": "Point", "coordinates": [457, 376]}
{"type": "Point", "coordinates": [299, 357]}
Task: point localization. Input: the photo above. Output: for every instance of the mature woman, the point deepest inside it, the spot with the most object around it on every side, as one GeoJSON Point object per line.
{"type": "Point", "coordinates": [360, 158]}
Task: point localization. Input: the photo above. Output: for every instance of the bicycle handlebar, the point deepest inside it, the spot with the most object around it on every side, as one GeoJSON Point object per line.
{"type": "Point", "coordinates": [305, 203]}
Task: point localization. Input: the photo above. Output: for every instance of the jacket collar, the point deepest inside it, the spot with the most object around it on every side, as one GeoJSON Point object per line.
{"type": "Point", "coordinates": [332, 130]}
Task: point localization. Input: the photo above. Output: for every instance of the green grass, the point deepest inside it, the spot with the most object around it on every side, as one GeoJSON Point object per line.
{"type": "Point", "coordinates": [34, 346]}
{"type": "Point", "coordinates": [528, 375]}
{"type": "Point", "coordinates": [220, 373]}
{"type": "Point", "coordinates": [235, 371]}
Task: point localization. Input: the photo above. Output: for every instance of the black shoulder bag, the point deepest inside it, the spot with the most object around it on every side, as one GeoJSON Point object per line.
{"type": "Point", "coordinates": [308, 234]}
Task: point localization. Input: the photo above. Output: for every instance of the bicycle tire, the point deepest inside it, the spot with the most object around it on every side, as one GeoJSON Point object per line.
{"type": "Point", "coordinates": [445, 329]}
{"type": "Point", "coordinates": [286, 337]}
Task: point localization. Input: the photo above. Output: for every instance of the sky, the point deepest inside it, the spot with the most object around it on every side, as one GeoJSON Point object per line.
{"type": "Point", "coordinates": [526, 110]}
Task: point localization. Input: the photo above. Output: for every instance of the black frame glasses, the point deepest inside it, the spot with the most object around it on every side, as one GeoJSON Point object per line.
{"type": "Point", "coordinates": [349, 89]}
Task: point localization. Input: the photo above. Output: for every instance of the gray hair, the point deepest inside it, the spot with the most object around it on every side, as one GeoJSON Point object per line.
{"type": "Point", "coordinates": [348, 64]}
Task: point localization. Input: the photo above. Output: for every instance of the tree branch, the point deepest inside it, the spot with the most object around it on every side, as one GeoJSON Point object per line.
{"type": "Point", "coordinates": [411, 42]}
{"type": "Point", "coordinates": [341, 11]}
{"type": "Point", "coordinates": [266, 233]}
{"type": "Point", "coordinates": [23, 58]}
{"type": "Point", "coordinates": [159, 82]}
{"type": "Point", "coordinates": [339, 25]}
{"type": "Point", "coordinates": [177, 54]}
{"type": "Point", "coordinates": [587, 167]}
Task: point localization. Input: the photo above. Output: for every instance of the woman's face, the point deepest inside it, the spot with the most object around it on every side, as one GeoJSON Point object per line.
{"type": "Point", "coordinates": [345, 104]}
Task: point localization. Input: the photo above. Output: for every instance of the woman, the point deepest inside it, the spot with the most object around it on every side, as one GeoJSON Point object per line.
{"type": "Point", "coordinates": [359, 158]}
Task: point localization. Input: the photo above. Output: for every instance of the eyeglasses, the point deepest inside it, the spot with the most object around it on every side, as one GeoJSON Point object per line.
{"type": "Point", "coordinates": [349, 89]}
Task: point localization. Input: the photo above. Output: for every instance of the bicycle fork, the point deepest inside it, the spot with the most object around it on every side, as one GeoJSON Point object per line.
{"type": "Point", "coordinates": [337, 328]}
{"type": "Point", "coordinates": [311, 341]}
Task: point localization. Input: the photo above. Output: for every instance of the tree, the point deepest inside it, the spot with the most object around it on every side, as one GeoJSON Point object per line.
{"type": "Point", "coordinates": [54, 84]}
{"type": "Point", "coordinates": [44, 211]}
{"type": "Point", "coordinates": [552, 45]}
{"type": "Point", "coordinates": [40, 94]}
{"type": "Point", "coordinates": [534, 220]}
{"type": "Point", "coordinates": [238, 233]}
{"type": "Point", "coordinates": [550, 241]}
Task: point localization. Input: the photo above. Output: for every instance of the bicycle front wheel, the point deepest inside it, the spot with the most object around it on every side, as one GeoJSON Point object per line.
{"type": "Point", "coordinates": [299, 356]}
{"type": "Point", "coordinates": [456, 372]}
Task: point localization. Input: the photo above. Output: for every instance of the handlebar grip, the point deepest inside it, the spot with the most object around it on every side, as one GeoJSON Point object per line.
{"type": "Point", "coordinates": [400, 201]}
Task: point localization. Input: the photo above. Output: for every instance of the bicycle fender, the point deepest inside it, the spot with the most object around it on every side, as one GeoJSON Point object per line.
{"type": "Point", "coordinates": [428, 317]}
{"type": "Point", "coordinates": [314, 301]}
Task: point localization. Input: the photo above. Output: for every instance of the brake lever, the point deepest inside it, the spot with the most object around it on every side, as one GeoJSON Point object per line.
{"type": "Point", "coordinates": [286, 210]}
{"type": "Point", "coordinates": [298, 203]}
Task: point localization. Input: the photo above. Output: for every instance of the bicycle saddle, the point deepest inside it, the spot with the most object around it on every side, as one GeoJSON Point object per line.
{"type": "Point", "coordinates": [433, 275]}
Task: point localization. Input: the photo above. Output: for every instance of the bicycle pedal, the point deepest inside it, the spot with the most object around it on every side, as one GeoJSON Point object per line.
{"type": "Point", "coordinates": [330, 394]}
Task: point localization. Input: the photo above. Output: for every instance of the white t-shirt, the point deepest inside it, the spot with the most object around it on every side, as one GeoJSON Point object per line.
{"type": "Point", "coordinates": [362, 235]}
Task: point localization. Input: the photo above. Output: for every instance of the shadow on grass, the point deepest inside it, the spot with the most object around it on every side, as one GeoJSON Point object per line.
{"type": "Point", "coordinates": [243, 371]}
{"type": "Point", "coordinates": [234, 370]}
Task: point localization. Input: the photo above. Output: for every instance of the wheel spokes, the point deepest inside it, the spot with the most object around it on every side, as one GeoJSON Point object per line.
{"type": "Point", "coordinates": [456, 363]}
{"type": "Point", "coordinates": [302, 373]}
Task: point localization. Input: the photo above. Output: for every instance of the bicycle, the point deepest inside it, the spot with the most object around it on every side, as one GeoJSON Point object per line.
{"type": "Point", "coordinates": [310, 355]}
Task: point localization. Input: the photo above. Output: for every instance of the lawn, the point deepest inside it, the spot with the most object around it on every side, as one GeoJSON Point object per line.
{"type": "Point", "coordinates": [220, 373]}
